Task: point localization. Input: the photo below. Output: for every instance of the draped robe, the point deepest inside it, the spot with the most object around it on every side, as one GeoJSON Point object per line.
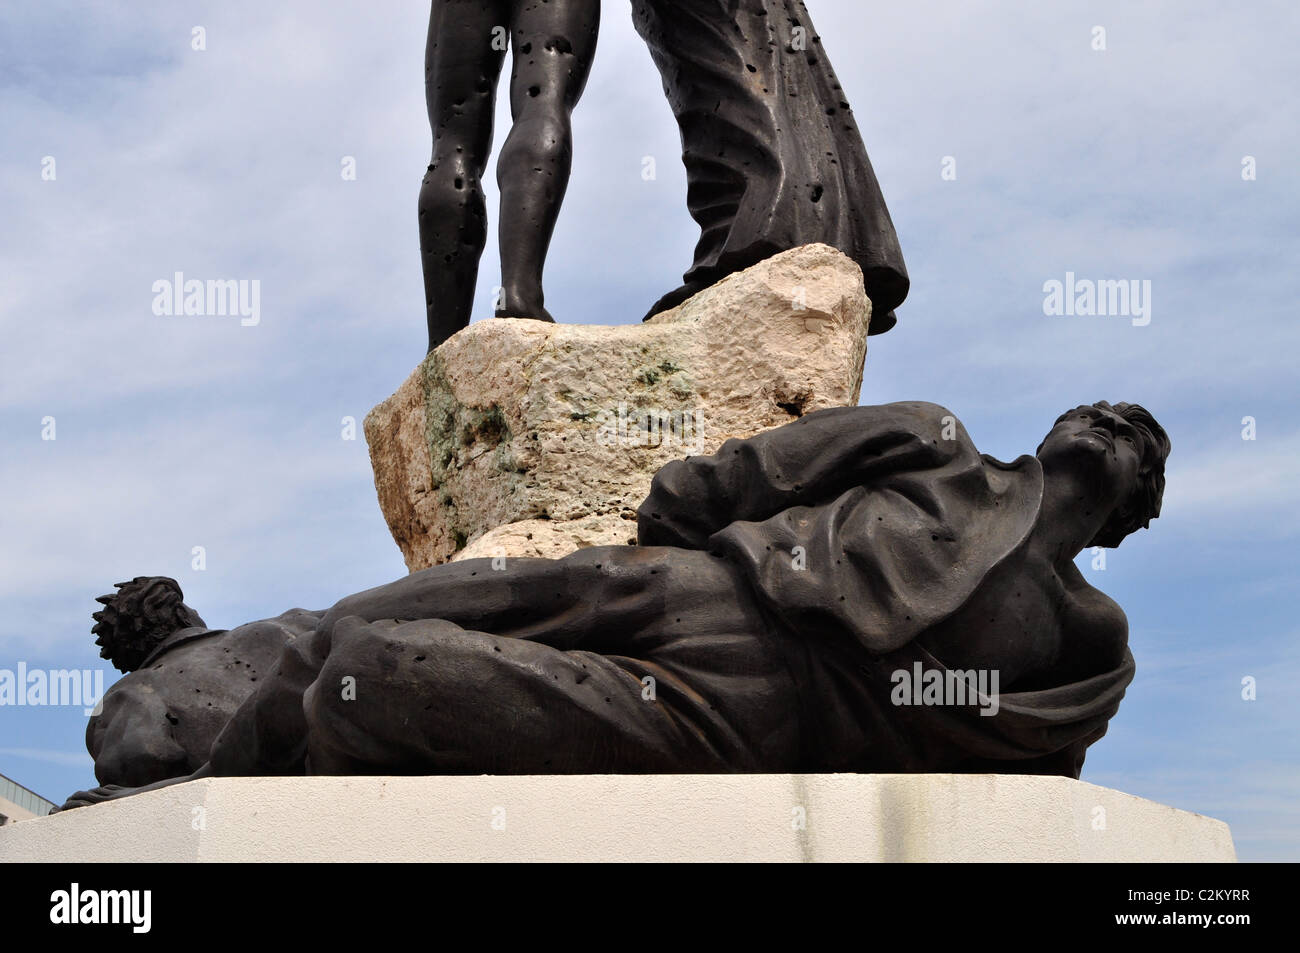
{"type": "Point", "coordinates": [773, 154]}
{"type": "Point", "coordinates": [704, 649]}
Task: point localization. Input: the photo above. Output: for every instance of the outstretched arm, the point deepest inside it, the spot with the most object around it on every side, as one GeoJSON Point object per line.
{"type": "Point", "coordinates": [811, 460]}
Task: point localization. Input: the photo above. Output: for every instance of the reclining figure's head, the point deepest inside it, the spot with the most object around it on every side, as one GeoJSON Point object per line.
{"type": "Point", "coordinates": [1122, 451]}
{"type": "Point", "coordinates": [138, 617]}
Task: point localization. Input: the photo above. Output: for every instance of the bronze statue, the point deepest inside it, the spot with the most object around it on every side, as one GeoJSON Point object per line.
{"type": "Point", "coordinates": [185, 680]}
{"type": "Point", "coordinates": [780, 589]}
{"type": "Point", "coordinates": [773, 155]}
{"type": "Point", "coordinates": [774, 158]}
{"type": "Point", "coordinates": [553, 43]}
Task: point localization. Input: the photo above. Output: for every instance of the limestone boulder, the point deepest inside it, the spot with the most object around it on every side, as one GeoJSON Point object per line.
{"type": "Point", "coordinates": [519, 438]}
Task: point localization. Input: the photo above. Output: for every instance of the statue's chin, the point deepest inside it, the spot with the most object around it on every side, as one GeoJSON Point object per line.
{"type": "Point", "coordinates": [1080, 450]}
{"type": "Point", "coordinates": [1088, 461]}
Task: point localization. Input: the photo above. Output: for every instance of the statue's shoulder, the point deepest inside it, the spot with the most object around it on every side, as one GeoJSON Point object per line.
{"type": "Point", "coordinates": [906, 425]}
{"type": "Point", "coordinates": [920, 409]}
{"type": "Point", "coordinates": [180, 641]}
{"type": "Point", "coordinates": [270, 635]}
{"type": "Point", "coordinates": [915, 416]}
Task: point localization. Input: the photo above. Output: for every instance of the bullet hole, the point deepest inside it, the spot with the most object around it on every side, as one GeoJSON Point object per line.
{"type": "Point", "coordinates": [817, 193]}
{"type": "Point", "coordinates": [460, 183]}
{"type": "Point", "coordinates": [419, 658]}
{"type": "Point", "coordinates": [534, 91]}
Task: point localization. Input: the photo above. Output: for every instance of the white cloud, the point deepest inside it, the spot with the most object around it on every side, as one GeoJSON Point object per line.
{"type": "Point", "coordinates": [70, 758]}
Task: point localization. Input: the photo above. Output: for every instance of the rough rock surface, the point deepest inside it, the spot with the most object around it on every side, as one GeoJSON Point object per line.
{"type": "Point", "coordinates": [519, 438]}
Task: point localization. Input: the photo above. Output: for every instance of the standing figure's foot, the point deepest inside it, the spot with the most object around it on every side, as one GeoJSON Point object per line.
{"type": "Point", "coordinates": [521, 306]}
{"type": "Point", "coordinates": [544, 316]}
{"type": "Point", "coordinates": [676, 297]}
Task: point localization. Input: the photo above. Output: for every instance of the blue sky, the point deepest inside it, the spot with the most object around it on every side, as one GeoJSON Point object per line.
{"type": "Point", "coordinates": [179, 432]}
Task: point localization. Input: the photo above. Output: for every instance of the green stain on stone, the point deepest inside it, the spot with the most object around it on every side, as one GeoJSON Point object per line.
{"type": "Point", "coordinates": [455, 433]}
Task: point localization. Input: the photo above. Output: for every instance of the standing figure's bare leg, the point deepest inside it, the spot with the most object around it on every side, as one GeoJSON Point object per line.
{"type": "Point", "coordinates": [554, 43]}
{"type": "Point", "coordinates": [462, 63]}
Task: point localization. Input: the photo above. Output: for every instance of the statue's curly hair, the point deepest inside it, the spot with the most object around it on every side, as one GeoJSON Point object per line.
{"type": "Point", "coordinates": [138, 617]}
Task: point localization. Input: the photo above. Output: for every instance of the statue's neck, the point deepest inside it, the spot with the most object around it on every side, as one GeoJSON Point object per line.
{"type": "Point", "coordinates": [1069, 519]}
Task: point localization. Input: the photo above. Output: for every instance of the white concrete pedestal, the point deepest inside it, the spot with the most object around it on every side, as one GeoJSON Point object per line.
{"type": "Point", "coordinates": [830, 817]}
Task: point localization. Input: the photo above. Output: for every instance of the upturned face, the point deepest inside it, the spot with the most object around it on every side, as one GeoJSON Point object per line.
{"type": "Point", "coordinates": [1102, 445]}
